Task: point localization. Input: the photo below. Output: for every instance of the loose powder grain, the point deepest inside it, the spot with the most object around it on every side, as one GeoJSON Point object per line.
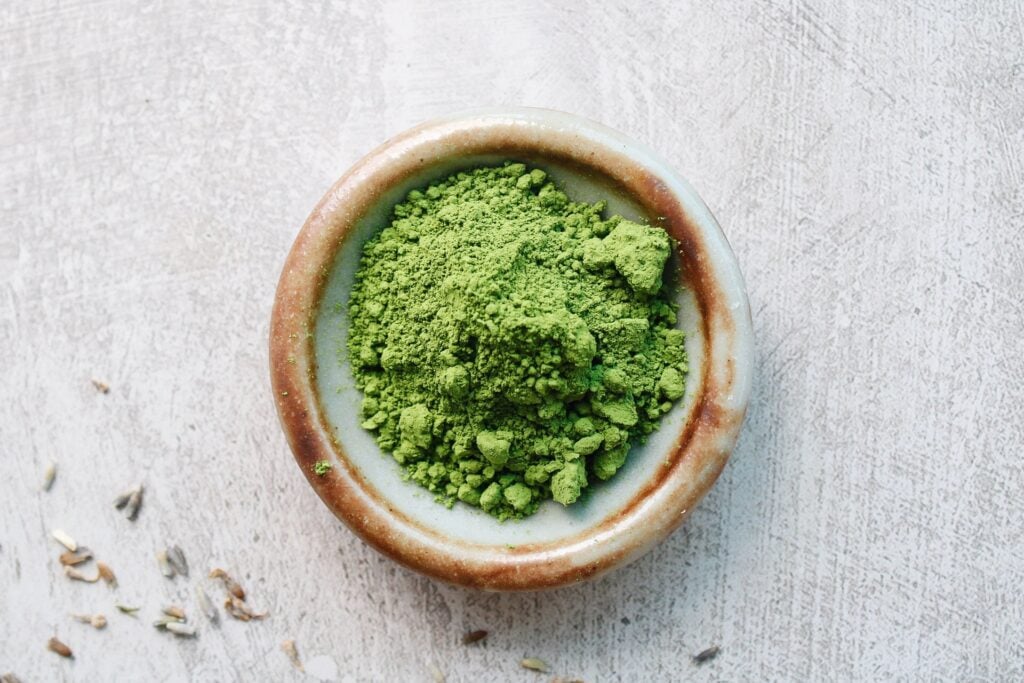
{"type": "Point", "coordinates": [510, 343]}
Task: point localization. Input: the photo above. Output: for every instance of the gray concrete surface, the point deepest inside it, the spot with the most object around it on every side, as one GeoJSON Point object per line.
{"type": "Point", "coordinates": [865, 160]}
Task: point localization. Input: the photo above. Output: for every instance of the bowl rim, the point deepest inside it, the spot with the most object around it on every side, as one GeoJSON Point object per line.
{"type": "Point", "coordinates": [705, 441]}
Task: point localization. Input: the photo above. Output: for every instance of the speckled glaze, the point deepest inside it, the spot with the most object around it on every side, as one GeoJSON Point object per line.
{"type": "Point", "coordinates": [662, 480]}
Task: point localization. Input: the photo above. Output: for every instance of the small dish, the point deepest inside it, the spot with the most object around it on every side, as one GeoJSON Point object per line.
{"type": "Point", "coordinates": [662, 480]}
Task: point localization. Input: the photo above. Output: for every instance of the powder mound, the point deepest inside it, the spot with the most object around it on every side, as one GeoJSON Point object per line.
{"type": "Point", "coordinates": [510, 343]}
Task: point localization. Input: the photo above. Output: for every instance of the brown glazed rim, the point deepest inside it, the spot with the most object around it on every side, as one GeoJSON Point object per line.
{"type": "Point", "coordinates": [708, 268]}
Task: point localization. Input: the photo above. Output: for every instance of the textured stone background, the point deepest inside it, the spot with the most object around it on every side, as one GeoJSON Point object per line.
{"type": "Point", "coordinates": [865, 160]}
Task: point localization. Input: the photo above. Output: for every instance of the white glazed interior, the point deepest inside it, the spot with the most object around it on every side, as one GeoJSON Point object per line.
{"type": "Point", "coordinates": [340, 399]}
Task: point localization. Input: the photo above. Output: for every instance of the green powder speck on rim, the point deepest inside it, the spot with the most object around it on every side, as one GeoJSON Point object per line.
{"type": "Point", "coordinates": [510, 344]}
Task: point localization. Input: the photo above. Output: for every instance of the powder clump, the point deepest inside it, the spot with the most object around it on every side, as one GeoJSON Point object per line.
{"type": "Point", "coordinates": [511, 343]}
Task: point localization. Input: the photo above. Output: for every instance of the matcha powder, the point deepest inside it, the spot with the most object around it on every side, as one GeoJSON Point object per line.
{"type": "Point", "coordinates": [511, 343]}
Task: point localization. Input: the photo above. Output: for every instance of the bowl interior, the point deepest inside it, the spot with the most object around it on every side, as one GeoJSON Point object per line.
{"type": "Point", "coordinates": [340, 400]}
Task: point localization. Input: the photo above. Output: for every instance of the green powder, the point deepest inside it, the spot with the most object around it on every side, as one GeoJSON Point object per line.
{"type": "Point", "coordinates": [510, 343]}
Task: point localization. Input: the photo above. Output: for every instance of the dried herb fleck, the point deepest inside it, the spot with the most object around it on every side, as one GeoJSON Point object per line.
{"type": "Point", "coordinates": [534, 664]}
{"type": "Point", "coordinates": [107, 574]}
{"type": "Point", "coordinates": [122, 499]}
{"type": "Point", "coordinates": [235, 604]}
{"type": "Point", "coordinates": [65, 540]}
{"type": "Point", "coordinates": [177, 559]}
{"type": "Point", "coordinates": [76, 575]}
{"type": "Point", "coordinates": [474, 637]}
{"type": "Point", "coordinates": [322, 467]}
{"type": "Point", "coordinates": [206, 605]}
{"type": "Point", "coordinates": [97, 621]}
{"type": "Point", "coordinates": [130, 501]}
{"type": "Point", "coordinates": [176, 626]}
{"type": "Point", "coordinates": [131, 510]}
{"type": "Point", "coordinates": [70, 559]}
{"type": "Point", "coordinates": [238, 609]}
{"type": "Point", "coordinates": [180, 629]}
{"type": "Point", "coordinates": [49, 474]}
{"type": "Point", "coordinates": [293, 654]}
{"type": "Point", "coordinates": [166, 568]}
{"type": "Point", "coordinates": [230, 585]}
{"type": "Point", "coordinates": [174, 611]}
{"type": "Point", "coordinates": [60, 648]}
{"type": "Point", "coordinates": [706, 655]}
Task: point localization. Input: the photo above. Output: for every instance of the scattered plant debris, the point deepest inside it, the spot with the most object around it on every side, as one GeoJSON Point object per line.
{"type": "Point", "coordinates": [64, 539]}
{"type": "Point", "coordinates": [60, 648]}
{"type": "Point", "coordinates": [293, 654]}
{"type": "Point", "coordinates": [49, 474]}
{"type": "Point", "coordinates": [706, 655]}
{"type": "Point", "coordinates": [534, 664]}
{"type": "Point", "coordinates": [474, 637]}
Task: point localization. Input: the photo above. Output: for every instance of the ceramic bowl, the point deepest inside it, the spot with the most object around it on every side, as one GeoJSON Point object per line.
{"type": "Point", "coordinates": [662, 480]}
